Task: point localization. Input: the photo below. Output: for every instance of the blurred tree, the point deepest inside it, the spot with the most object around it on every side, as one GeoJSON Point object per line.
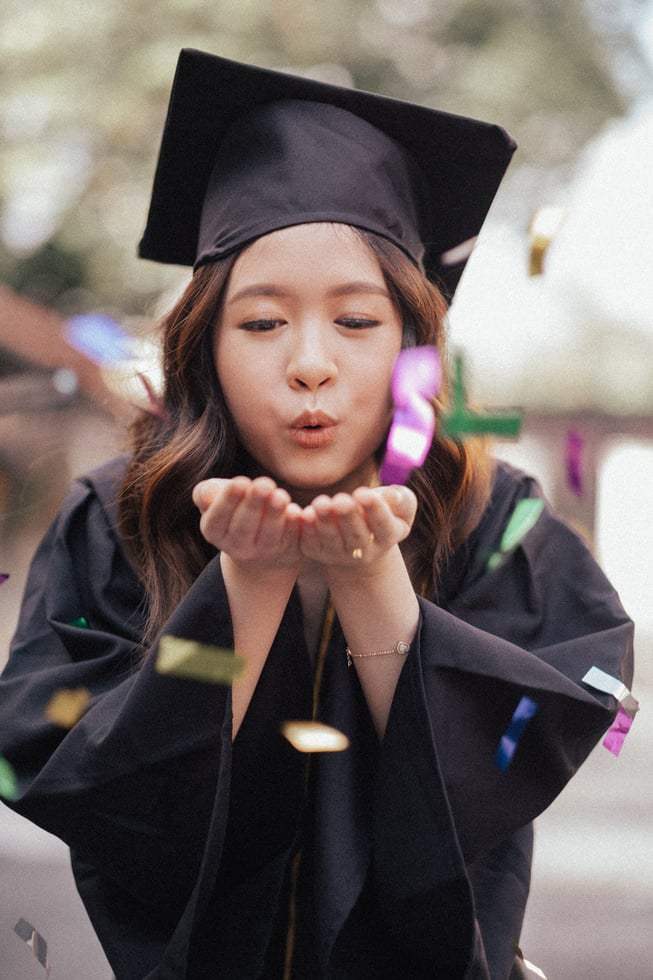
{"type": "Point", "coordinates": [84, 86]}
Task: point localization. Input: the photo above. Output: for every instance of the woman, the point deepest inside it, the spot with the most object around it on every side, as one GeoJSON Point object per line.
{"type": "Point", "coordinates": [248, 516]}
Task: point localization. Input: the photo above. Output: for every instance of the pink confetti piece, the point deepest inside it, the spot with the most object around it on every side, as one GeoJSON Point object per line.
{"type": "Point", "coordinates": [574, 449]}
{"type": "Point", "coordinates": [416, 380]}
{"type": "Point", "coordinates": [617, 732]}
{"type": "Point", "coordinates": [154, 405]}
{"type": "Point", "coordinates": [628, 706]}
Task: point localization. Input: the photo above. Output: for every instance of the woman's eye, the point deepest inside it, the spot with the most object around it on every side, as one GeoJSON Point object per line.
{"type": "Point", "coordinates": [261, 326]}
{"type": "Point", "coordinates": [357, 322]}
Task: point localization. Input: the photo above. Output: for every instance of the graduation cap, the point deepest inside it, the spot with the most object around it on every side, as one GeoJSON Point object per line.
{"type": "Point", "coordinates": [249, 150]}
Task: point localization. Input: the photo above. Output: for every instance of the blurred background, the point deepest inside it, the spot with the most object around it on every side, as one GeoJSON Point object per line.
{"type": "Point", "coordinates": [566, 334]}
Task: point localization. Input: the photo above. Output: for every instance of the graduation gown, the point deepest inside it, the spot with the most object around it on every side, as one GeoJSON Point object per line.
{"type": "Point", "coordinates": [197, 857]}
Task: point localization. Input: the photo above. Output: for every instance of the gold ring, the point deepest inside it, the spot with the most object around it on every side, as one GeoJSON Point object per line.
{"type": "Point", "coordinates": [357, 553]}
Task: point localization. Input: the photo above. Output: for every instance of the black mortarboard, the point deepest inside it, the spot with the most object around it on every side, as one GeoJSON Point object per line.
{"type": "Point", "coordinates": [247, 150]}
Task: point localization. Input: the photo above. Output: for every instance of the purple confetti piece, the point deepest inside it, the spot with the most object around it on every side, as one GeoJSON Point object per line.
{"type": "Point", "coordinates": [418, 371]}
{"type": "Point", "coordinates": [3, 577]}
{"type": "Point", "coordinates": [574, 448]}
{"type": "Point", "coordinates": [415, 381]}
{"type": "Point", "coordinates": [617, 732]}
{"type": "Point", "coordinates": [523, 714]}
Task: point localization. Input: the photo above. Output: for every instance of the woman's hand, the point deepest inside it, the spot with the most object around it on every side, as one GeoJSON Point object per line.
{"type": "Point", "coordinates": [355, 530]}
{"type": "Point", "coordinates": [256, 522]}
{"type": "Point", "coordinates": [252, 521]}
{"type": "Point", "coordinates": [265, 538]}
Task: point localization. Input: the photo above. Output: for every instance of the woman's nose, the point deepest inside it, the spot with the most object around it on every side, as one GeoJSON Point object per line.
{"type": "Point", "coordinates": [311, 364]}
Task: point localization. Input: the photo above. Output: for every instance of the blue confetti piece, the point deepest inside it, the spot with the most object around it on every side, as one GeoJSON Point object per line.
{"type": "Point", "coordinates": [523, 714]}
{"type": "Point", "coordinates": [99, 337]}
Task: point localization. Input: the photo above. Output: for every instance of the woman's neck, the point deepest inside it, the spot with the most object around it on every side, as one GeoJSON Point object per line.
{"type": "Point", "coordinates": [314, 595]}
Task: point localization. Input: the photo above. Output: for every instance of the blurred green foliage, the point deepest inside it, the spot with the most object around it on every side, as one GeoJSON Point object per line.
{"type": "Point", "coordinates": [84, 86]}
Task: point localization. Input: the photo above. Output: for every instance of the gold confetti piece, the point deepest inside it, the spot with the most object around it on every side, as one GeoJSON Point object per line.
{"type": "Point", "coordinates": [543, 229]}
{"type": "Point", "coordinates": [67, 705]}
{"type": "Point", "coordinates": [313, 736]}
{"type": "Point", "coordinates": [198, 661]}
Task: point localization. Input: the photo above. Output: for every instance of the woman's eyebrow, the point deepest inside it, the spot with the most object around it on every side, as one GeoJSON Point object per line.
{"type": "Point", "coordinates": [356, 287]}
{"type": "Point", "coordinates": [362, 286]}
{"type": "Point", "coordinates": [258, 289]}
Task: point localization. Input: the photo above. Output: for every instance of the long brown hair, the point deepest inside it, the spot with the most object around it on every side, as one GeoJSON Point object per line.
{"type": "Point", "coordinates": [194, 438]}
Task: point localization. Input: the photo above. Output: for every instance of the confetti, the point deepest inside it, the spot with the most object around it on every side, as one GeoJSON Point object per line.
{"type": "Point", "coordinates": [628, 706]}
{"type": "Point", "coordinates": [543, 229]}
{"type": "Point", "coordinates": [67, 705]}
{"type": "Point", "coordinates": [198, 661]}
{"type": "Point", "coordinates": [415, 382]}
{"type": "Point", "coordinates": [35, 941]}
{"type": "Point", "coordinates": [459, 253]}
{"type": "Point", "coordinates": [8, 781]}
{"type": "Point", "coordinates": [154, 405]}
{"type": "Point", "coordinates": [3, 577]}
{"type": "Point", "coordinates": [527, 963]}
{"type": "Point", "coordinates": [523, 714]}
{"type": "Point", "coordinates": [314, 736]}
{"type": "Point", "coordinates": [617, 732]}
{"type": "Point", "coordinates": [99, 338]}
{"type": "Point", "coordinates": [534, 969]}
{"type": "Point", "coordinates": [81, 623]}
{"type": "Point", "coordinates": [605, 682]}
{"type": "Point", "coordinates": [459, 420]}
{"type": "Point", "coordinates": [575, 445]}
{"type": "Point", "coordinates": [523, 518]}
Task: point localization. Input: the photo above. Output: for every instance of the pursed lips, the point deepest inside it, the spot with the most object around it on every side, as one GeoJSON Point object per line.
{"type": "Point", "coordinates": [313, 430]}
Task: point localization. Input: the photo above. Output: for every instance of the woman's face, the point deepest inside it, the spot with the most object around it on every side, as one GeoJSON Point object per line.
{"type": "Point", "coordinates": [304, 351]}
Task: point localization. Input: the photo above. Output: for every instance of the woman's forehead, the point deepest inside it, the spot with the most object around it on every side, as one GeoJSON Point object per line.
{"type": "Point", "coordinates": [318, 252]}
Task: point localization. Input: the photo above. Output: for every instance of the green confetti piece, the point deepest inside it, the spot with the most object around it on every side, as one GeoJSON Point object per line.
{"type": "Point", "coordinates": [495, 561]}
{"type": "Point", "coordinates": [460, 421]}
{"type": "Point", "coordinates": [8, 781]}
{"type": "Point", "coordinates": [81, 623]}
{"type": "Point", "coordinates": [523, 518]}
{"type": "Point", "coordinates": [198, 661]}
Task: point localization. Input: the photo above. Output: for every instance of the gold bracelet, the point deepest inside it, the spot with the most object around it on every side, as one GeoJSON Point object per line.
{"type": "Point", "coordinates": [401, 648]}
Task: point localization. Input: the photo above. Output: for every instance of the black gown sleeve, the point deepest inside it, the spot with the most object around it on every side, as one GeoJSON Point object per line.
{"type": "Point", "coordinates": [131, 787]}
{"type": "Point", "coordinates": [448, 821]}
